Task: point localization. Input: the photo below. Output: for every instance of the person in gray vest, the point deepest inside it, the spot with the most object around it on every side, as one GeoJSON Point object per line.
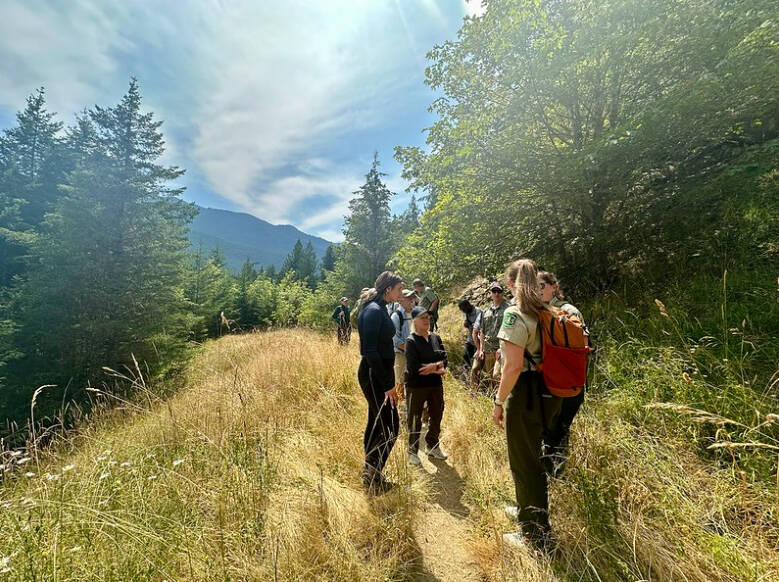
{"type": "Point", "coordinates": [486, 330]}
{"type": "Point", "coordinates": [401, 319]}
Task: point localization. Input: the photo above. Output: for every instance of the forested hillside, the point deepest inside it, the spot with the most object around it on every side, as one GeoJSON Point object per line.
{"type": "Point", "coordinates": [243, 237]}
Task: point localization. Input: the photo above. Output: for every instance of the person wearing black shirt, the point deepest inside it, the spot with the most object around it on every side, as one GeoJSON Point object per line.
{"type": "Point", "coordinates": [425, 365]}
{"type": "Point", "coordinates": [377, 378]}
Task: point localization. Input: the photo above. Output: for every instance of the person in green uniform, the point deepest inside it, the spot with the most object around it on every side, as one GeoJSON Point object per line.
{"type": "Point", "coordinates": [524, 406]}
{"type": "Point", "coordinates": [341, 316]}
{"type": "Point", "coordinates": [556, 439]}
{"type": "Point", "coordinates": [486, 337]}
{"type": "Point", "coordinates": [429, 300]}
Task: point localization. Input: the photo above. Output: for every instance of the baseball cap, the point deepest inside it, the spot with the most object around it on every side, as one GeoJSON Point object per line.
{"type": "Point", "coordinates": [417, 311]}
{"type": "Point", "coordinates": [496, 285]}
{"type": "Point", "coordinates": [408, 293]}
{"type": "Point", "coordinates": [344, 299]}
{"type": "Point", "coordinates": [417, 282]}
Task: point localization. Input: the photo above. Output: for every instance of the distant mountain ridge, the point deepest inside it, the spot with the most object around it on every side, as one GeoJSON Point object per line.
{"type": "Point", "coordinates": [242, 236]}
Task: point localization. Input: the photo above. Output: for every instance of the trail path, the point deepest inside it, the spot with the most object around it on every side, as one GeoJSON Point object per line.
{"type": "Point", "coordinates": [441, 528]}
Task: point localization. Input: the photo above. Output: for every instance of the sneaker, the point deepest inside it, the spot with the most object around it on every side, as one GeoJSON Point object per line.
{"type": "Point", "coordinates": [436, 453]}
{"type": "Point", "coordinates": [413, 459]}
{"type": "Point", "coordinates": [516, 540]}
{"type": "Point", "coordinates": [512, 512]}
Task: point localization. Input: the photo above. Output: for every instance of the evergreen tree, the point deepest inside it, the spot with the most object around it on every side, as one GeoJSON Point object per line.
{"type": "Point", "coordinates": [107, 277]}
{"type": "Point", "coordinates": [32, 161]}
{"type": "Point", "coordinates": [367, 247]}
{"type": "Point", "coordinates": [302, 262]}
{"type": "Point", "coordinates": [246, 310]}
{"type": "Point", "coordinates": [328, 260]}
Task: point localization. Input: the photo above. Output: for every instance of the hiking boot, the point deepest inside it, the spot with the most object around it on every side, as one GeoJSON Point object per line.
{"type": "Point", "coordinates": [413, 459]}
{"type": "Point", "coordinates": [436, 453]}
{"type": "Point", "coordinates": [517, 540]}
{"type": "Point", "coordinates": [374, 482]}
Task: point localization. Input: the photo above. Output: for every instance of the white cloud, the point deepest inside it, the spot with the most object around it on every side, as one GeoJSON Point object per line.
{"type": "Point", "coordinates": [256, 96]}
{"type": "Point", "coordinates": [474, 7]}
{"type": "Point", "coordinates": [290, 78]}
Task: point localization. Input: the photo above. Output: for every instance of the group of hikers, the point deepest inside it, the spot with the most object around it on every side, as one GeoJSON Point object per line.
{"type": "Point", "coordinates": [402, 354]}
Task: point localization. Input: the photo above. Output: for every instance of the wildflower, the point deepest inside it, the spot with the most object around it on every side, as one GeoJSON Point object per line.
{"type": "Point", "coordinates": [67, 468]}
{"type": "Point", "coordinates": [100, 458]}
{"type": "Point", "coordinates": [16, 453]}
{"type": "Point", "coordinates": [29, 474]}
{"type": "Point", "coordinates": [75, 549]}
{"type": "Point", "coordinates": [104, 475]}
{"type": "Point", "coordinates": [54, 477]}
{"type": "Point", "coordinates": [126, 464]}
{"type": "Point", "coordinates": [5, 564]}
{"type": "Point", "coordinates": [150, 456]}
{"type": "Point", "coordinates": [151, 477]}
{"type": "Point", "coordinates": [23, 461]}
{"type": "Point", "coordinates": [177, 462]}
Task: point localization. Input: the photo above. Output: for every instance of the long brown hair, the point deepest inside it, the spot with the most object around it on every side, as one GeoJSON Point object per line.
{"type": "Point", "coordinates": [551, 279]}
{"type": "Point", "coordinates": [524, 273]}
{"type": "Point", "coordinates": [384, 281]}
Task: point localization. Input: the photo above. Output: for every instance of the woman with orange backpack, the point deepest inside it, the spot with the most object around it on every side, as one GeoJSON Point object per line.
{"type": "Point", "coordinates": [556, 439]}
{"type": "Point", "coordinates": [524, 405]}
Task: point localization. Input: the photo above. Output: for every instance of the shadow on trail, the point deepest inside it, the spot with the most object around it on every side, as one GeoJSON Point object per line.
{"type": "Point", "coordinates": [448, 489]}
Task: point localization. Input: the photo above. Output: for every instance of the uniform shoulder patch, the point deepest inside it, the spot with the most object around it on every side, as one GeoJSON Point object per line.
{"type": "Point", "coordinates": [509, 319]}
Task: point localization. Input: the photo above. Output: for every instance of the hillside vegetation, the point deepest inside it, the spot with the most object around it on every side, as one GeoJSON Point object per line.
{"type": "Point", "coordinates": [251, 472]}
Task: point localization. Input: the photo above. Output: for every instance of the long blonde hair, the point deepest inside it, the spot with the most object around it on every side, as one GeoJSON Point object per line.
{"type": "Point", "coordinates": [524, 273]}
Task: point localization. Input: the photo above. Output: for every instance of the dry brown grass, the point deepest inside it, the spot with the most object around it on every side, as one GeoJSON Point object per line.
{"type": "Point", "coordinates": [252, 473]}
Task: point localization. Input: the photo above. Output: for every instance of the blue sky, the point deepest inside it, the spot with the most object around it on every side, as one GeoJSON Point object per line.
{"type": "Point", "coordinates": [274, 107]}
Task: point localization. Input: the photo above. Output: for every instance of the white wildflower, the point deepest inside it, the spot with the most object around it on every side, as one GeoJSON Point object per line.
{"type": "Point", "coordinates": [151, 477]}
{"type": "Point", "coordinates": [16, 453]}
{"type": "Point", "coordinates": [177, 462]}
{"type": "Point", "coordinates": [29, 474]}
{"type": "Point", "coordinates": [126, 464]}
{"type": "Point", "coordinates": [23, 461]}
{"type": "Point", "coordinates": [54, 477]}
{"type": "Point", "coordinates": [67, 468]}
{"type": "Point", "coordinates": [103, 475]}
{"type": "Point", "coordinates": [5, 564]}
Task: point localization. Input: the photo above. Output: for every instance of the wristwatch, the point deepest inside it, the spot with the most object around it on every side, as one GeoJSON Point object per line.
{"type": "Point", "coordinates": [498, 401]}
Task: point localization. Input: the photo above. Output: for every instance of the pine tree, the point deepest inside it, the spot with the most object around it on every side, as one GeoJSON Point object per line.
{"type": "Point", "coordinates": [302, 262]}
{"type": "Point", "coordinates": [32, 161]}
{"type": "Point", "coordinates": [328, 260]}
{"type": "Point", "coordinates": [368, 245]}
{"type": "Point", "coordinates": [107, 279]}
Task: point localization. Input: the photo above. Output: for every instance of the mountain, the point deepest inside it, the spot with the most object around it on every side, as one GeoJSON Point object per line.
{"type": "Point", "coordinates": [242, 236]}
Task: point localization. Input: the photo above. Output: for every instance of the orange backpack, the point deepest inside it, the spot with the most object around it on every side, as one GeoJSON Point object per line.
{"type": "Point", "coordinates": [565, 347]}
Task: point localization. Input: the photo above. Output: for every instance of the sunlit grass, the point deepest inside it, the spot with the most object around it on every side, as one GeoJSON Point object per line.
{"type": "Point", "coordinates": [251, 472]}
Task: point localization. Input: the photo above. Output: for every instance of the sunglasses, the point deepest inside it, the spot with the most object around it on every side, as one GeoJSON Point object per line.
{"type": "Point", "coordinates": [495, 291]}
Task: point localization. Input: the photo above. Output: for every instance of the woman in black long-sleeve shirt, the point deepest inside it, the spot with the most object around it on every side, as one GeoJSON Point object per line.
{"type": "Point", "coordinates": [377, 378]}
{"type": "Point", "coordinates": [425, 365]}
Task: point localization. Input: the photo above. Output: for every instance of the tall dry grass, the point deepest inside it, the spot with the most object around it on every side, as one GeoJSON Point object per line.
{"type": "Point", "coordinates": [252, 471]}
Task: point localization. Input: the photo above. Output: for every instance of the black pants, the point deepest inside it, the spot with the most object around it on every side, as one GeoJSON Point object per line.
{"type": "Point", "coordinates": [435, 406]}
{"type": "Point", "coordinates": [470, 351]}
{"type": "Point", "coordinates": [381, 432]}
{"type": "Point", "coordinates": [344, 333]}
{"type": "Point", "coordinates": [557, 437]}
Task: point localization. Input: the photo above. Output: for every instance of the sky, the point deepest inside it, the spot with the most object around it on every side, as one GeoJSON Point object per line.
{"type": "Point", "coordinates": [273, 107]}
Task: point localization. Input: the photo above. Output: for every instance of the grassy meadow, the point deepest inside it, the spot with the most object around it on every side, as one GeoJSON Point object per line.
{"type": "Point", "coordinates": [251, 472]}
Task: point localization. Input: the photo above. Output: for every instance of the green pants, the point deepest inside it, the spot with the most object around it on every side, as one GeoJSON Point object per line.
{"type": "Point", "coordinates": [528, 414]}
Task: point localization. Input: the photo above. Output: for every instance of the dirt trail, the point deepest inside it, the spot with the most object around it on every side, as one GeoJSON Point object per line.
{"type": "Point", "coordinates": [441, 528]}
